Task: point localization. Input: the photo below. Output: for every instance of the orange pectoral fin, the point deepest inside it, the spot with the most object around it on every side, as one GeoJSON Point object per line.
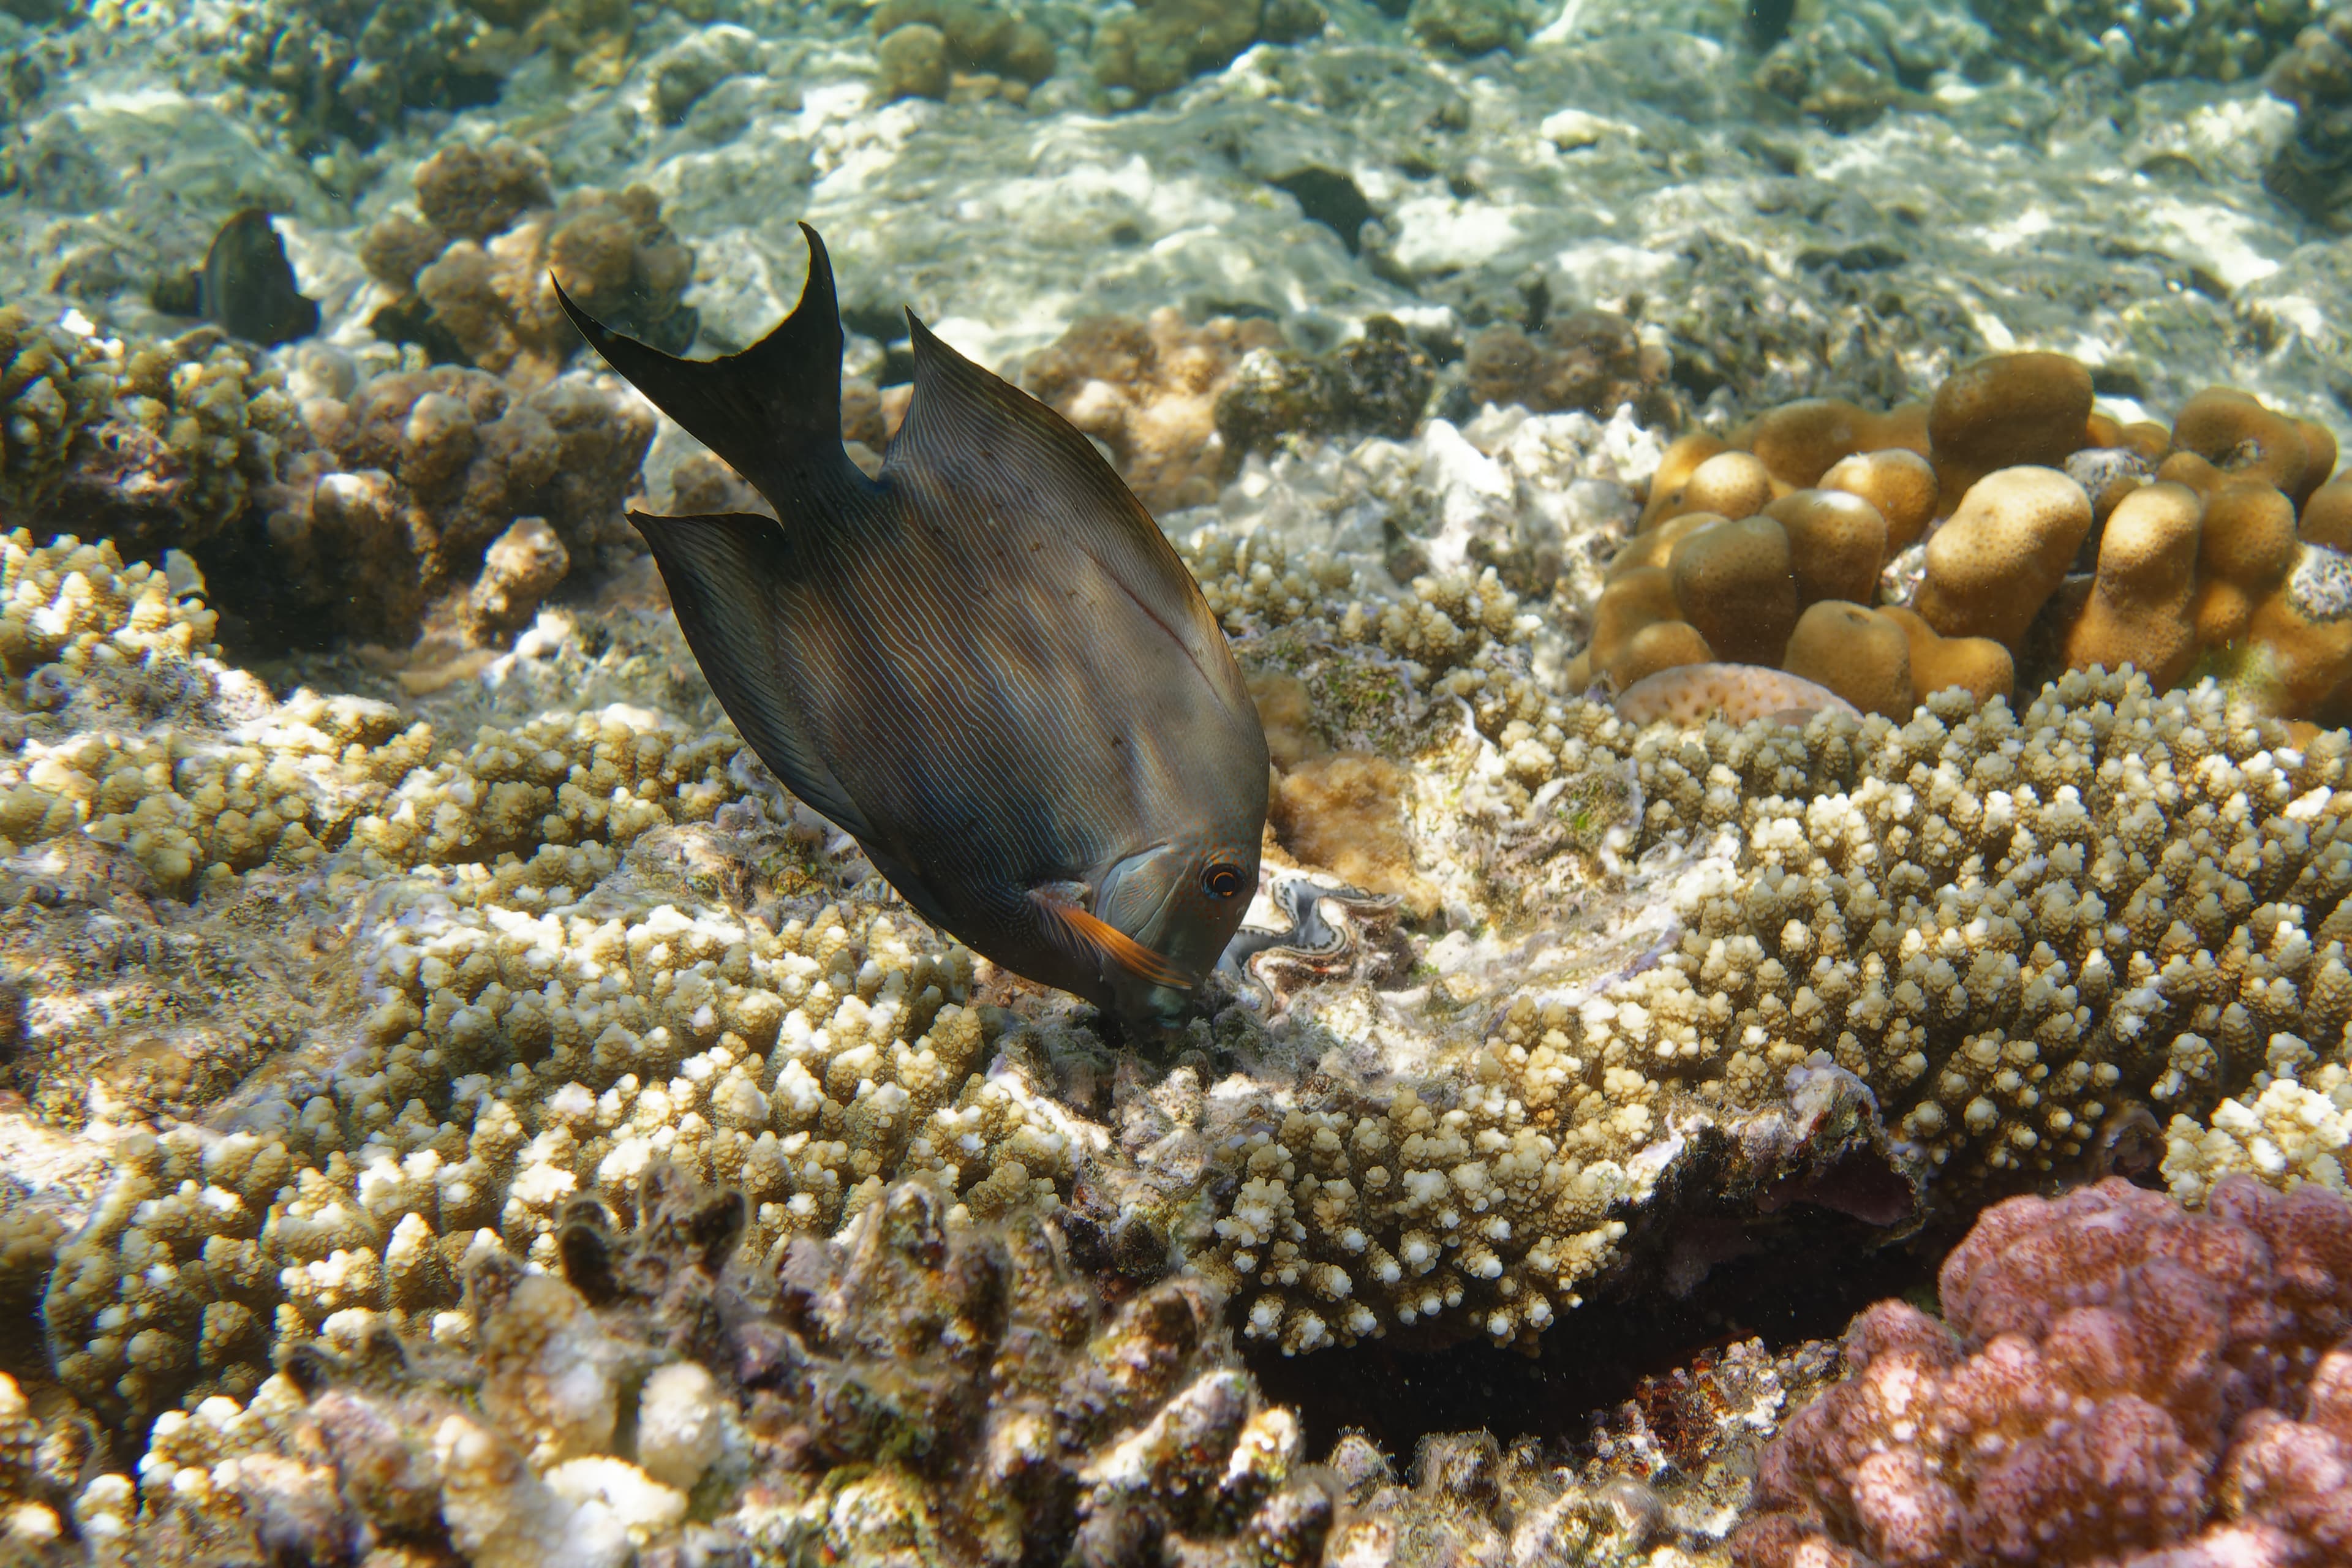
{"type": "Point", "coordinates": [1101, 938]}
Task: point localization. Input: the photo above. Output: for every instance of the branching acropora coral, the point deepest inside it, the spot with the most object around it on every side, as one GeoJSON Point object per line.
{"type": "Point", "coordinates": [801, 1060]}
{"type": "Point", "coordinates": [2025, 937]}
{"type": "Point", "coordinates": [928, 1376]}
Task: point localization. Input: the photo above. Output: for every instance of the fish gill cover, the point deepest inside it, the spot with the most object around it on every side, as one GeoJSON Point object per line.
{"type": "Point", "coordinates": [1790, 574]}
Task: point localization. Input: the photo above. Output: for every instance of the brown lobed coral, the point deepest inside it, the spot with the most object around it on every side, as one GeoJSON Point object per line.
{"type": "Point", "coordinates": [1149, 392]}
{"type": "Point", "coordinates": [157, 446]}
{"type": "Point", "coordinates": [1160, 44]}
{"type": "Point", "coordinates": [964, 49]}
{"type": "Point", "coordinates": [1588, 359]}
{"type": "Point", "coordinates": [2002, 534]}
{"type": "Point", "coordinates": [388, 524]}
{"type": "Point", "coordinates": [2118, 1381]}
{"type": "Point", "coordinates": [470, 268]}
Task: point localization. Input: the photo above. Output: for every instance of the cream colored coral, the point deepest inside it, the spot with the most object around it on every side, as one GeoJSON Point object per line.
{"type": "Point", "coordinates": [806, 1066]}
{"type": "Point", "coordinates": [1953, 915]}
{"type": "Point", "coordinates": [516, 1044]}
{"type": "Point", "coordinates": [76, 607]}
{"type": "Point", "coordinates": [2289, 1134]}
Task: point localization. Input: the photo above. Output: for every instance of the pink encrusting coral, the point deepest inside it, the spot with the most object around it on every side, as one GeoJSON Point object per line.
{"type": "Point", "coordinates": [1693, 693]}
{"type": "Point", "coordinates": [2118, 1382]}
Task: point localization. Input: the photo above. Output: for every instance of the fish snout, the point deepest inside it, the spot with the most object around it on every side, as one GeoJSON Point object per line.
{"type": "Point", "coordinates": [1153, 1008]}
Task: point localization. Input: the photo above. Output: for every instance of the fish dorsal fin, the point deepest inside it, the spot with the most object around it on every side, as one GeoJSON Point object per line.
{"type": "Point", "coordinates": [772, 412]}
{"type": "Point", "coordinates": [1094, 941]}
{"type": "Point", "coordinates": [964, 424]}
{"type": "Point", "coordinates": [723, 573]}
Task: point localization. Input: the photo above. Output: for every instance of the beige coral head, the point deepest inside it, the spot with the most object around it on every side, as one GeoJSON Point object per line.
{"type": "Point", "coordinates": [2002, 552]}
{"type": "Point", "coordinates": [1799, 441]}
{"type": "Point", "coordinates": [2007, 411]}
{"type": "Point", "coordinates": [2318, 453]}
{"type": "Point", "coordinates": [2328, 515]}
{"type": "Point", "coordinates": [1655, 546]}
{"type": "Point", "coordinates": [2248, 537]}
{"type": "Point", "coordinates": [1899, 482]}
{"type": "Point", "coordinates": [1837, 543]}
{"type": "Point", "coordinates": [2291, 664]}
{"type": "Point", "coordinates": [1634, 598]}
{"type": "Point", "coordinates": [1733, 484]}
{"type": "Point", "coordinates": [2150, 439]}
{"type": "Point", "coordinates": [1660, 645]}
{"type": "Point", "coordinates": [1736, 693]}
{"type": "Point", "coordinates": [1861, 655]}
{"type": "Point", "coordinates": [1977, 666]}
{"type": "Point", "coordinates": [1733, 581]}
{"type": "Point", "coordinates": [2148, 553]}
{"type": "Point", "coordinates": [2246, 548]}
{"type": "Point", "coordinates": [2188, 468]}
{"type": "Point", "coordinates": [2135, 611]}
{"type": "Point", "coordinates": [2244, 440]}
{"type": "Point", "coordinates": [1682, 458]}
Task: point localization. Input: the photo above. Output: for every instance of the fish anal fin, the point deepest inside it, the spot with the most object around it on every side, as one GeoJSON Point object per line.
{"type": "Point", "coordinates": [724, 572]}
{"type": "Point", "coordinates": [913, 886]}
{"type": "Point", "coordinates": [1081, 931]}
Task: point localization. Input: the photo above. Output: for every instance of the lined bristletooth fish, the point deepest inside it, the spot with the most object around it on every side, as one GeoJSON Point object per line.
{"type": "Point", "coordinates": [986, 664]}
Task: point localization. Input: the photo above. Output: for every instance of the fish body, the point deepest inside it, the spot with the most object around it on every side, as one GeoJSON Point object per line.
{"type": "Point", "coordinates": [1767, 23]}
{"type": "Point", "coordinates": [986, 664]}
{"type": "Point", "coordinates": [246, 286]}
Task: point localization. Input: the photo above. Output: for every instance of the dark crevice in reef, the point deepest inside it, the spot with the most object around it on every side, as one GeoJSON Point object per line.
{"type": "Point", "coordinates": [1802, 1275]}
{"type": "Point", "coordinates": [260, 616]}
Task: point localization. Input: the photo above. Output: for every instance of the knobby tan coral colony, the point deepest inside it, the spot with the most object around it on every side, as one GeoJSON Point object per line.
{"type": "Point", "coordinates": [2055, 539]}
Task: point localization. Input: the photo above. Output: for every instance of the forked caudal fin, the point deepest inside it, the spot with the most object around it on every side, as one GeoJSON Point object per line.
{"type": "Point", "coordinates": [1079, 932]}
{"type": "Point", "coordinates": [772, 412]}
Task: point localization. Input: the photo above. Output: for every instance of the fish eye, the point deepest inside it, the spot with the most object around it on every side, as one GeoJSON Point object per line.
{"type": "Point", "coordinates": [1221, 880]}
